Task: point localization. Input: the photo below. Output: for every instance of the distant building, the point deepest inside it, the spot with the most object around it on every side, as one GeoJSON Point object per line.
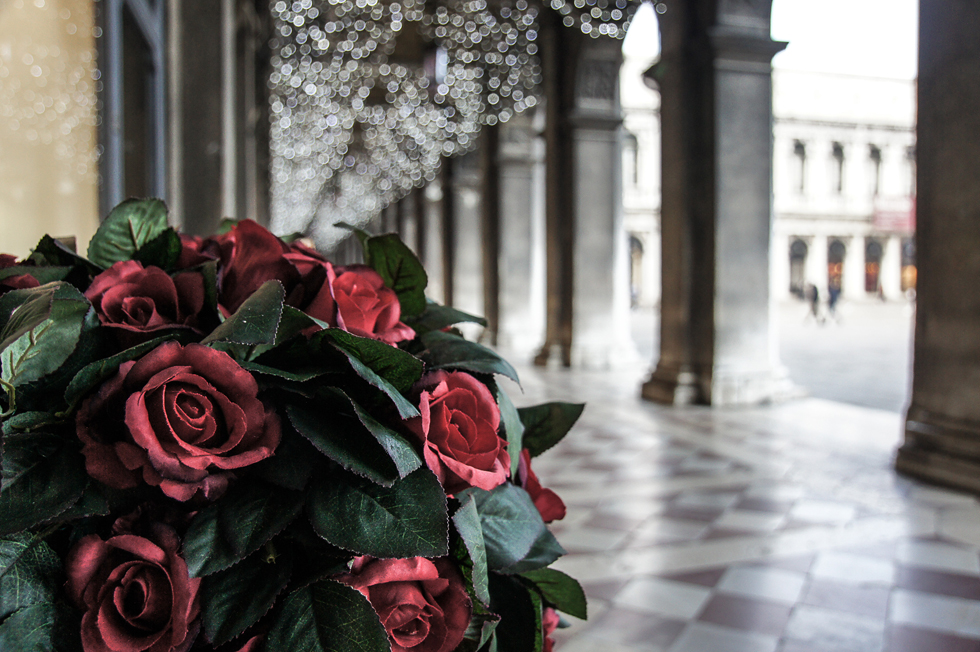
{"type": "Point", "coordinates": [844, 184]}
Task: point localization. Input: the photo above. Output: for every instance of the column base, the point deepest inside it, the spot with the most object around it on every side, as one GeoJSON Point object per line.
{"type": "Point", "coordinates": [673, 385]}
{"type": "Point", "coordinates": [941, 451]}
{"type": "Point", "coordinates": [682, 385]}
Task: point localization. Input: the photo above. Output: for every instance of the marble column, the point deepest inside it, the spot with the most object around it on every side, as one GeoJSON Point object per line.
{"type": "Point", "coordinates": [601, 303]}
{"type": "Point", "coordinates": [816, 262]}
{"type": "Point", "coordinates": [467, 243]}
{"type": "Point", "coordinates": [891, 268]}
{"type": "Point", "coordinates": [522, 247]}
{"type": "Point", "coordinates": [715, 76]}
{"type": "Point", "coordinates": [942, 427]}
{"type": "Point", "coordinates": [852, 283]}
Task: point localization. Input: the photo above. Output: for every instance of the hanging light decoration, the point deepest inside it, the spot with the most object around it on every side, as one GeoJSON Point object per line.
{"type": "Point", "coordinates": [368, 96]}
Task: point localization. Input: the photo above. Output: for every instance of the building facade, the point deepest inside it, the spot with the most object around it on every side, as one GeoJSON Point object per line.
{"type": "Point", "coordinates": [843, 184]}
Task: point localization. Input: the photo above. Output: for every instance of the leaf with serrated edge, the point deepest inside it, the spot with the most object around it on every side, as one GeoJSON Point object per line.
{"type": "Point", "coordinates": [513, 429]}
{"type": "Point", "coordinates": [234, 599]}
{"type": "Point", "coordinates": [467, 522]}
{"type": "Point", "coordinates": [399, 368]}
{"type": "Point", "coordinates": [408, 519]}
{"type": "Point", "coordinates": [545, 425]}
{"type": "Point", "coordinates": [400, 269]}
{"type": "Point", "coordinates": [560, 590]}
{"type": "Point", "coordinates": [447, 351]}
{"type": "Point", "coordinates": [49, 488]}
{"type": "Point", "coordinates": [256, 320]}
{"type": "Point", "coordinates": [437, 316]}
{"type": "Point", "coordinates": [98, 371]}
{"type": "Point", "coordinates": [127, 228]}
{"type": "Point", "coordinates": [229, 530]}
{"type": "Point", "coordinates": [327, 616]}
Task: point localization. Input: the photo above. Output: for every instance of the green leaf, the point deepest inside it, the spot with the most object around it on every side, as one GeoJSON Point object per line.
{"type": "Point", "coordinates": [560, 590]}
{"type": "Point", "coordinates": [24, 310]}
{"type": "Point", "coordinates": [23, 452]}
{"type": "Point", "coordinates": [162, 251]}
{"type": "Point", "coordinates": [256, 320]}
{"type": "Point", "coordinates": [400, 368]}
{"type": "Point", "coordinates": [292, 465]}
{"type": "Point", "coordinates": [40, 488]}
{"type": "Point", "coordinates": [513, 428]}
{"type": "Point", "coordinates": [294, 322]}
{"type": "Point", "coordinates": [362, 235]}
{"type": "Point", "coordinates": [28, 573]}
{"type": "Point", "coordinates": [511, 525]}
{"type": "Point", "coordinates": [545, 425]}
{"type": "Point", "coordinates": [234, 599]}
{"type": "Point", "coordinates": [436, 317]}
{"type": "Point", "coordinates": [30, 629]}
{"type": "Point", "coordinates": [296, 376]}
{"type": "Point", "coordinates": [92, 503]}
{"type": "Point", "coordinates": [45, 347]}
{"type": "Point", "coordinates": [128, 227]}
{"type": "Point", "coordinates": [519, 629]}
{"type": "Point", "coordinates": [238, 524]}
{"type": "Point", "coordinates": [408, 519]}
{"type": "Point", "coordinates": [343, 438]}
{"type": "Point", "coordinates": [50, 252]}
{"type": "Point", "coordinates": [446, 351]}
{"type": "Point", "coordinates": [400, 269]}
{"type": "Point", "coordinates": [467, 522]}
{"type": "Point", "coordinates": [99, 371]}
{"type": "Point", "coordinates": [327, 616]}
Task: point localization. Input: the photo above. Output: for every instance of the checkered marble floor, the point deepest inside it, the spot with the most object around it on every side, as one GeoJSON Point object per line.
{"type": "Point", "coordinates": [771, 529]}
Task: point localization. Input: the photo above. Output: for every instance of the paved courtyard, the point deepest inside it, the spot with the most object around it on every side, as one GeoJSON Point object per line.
{"type": "Point", "coordinates": [777, 528]}
{"type": "Point", "coordinates": [863, 357]}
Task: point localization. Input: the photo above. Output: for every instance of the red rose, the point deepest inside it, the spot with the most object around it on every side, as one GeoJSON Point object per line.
{"type": "Point", "coordinates": [181, 417]}
{"type": "Point", "coordinates": [366, 307]}
{"type": "Point", "coordinates": [135, 591]}
{"type": "Point", "coordinates": [140, 300]}
{"type": "Point", "coordinates": [458, 429]}
{"type": "Point", "coordinates": [192, 251]}
{"type": "Point", "coordinates": [549, 505]}
{"type": "Point", "coordinates": [422, 603]}
{"type": "Point", "coordinates": [18, 282]}
{"type": "Point", "coordinates": [549, 623]}
{"type": "Point", "coordinates": [250, 255]}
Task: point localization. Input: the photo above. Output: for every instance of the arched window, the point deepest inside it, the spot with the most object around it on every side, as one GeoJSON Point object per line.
{"type": "Point", "coordinates": [837, 168]}
{"type": "Point", "coordinates": [872, 265]}
{"type": "Point", "coordinates": [835, 263]}
{"type": "Point", "coordinates": [797, 267]}
{"type": "Point", "coordinates": [874, 156]}
{"type": "Point", "coordinates": [799, 153]}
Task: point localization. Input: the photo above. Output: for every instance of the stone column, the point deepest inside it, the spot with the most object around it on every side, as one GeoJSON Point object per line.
{"type": "Point", "coordinates": [891, 268]}
{"type": "Point", "coordinates": [852, 285]}
{"type": "Point", "coordinates": [715, 76]}
{"type": "Point", "coordinates": [779, 266]}
{"type": "Point", "coordinates": [600, 307]}
{"type": "Point", "coordinates": [942, 428]}
{"type": "Point", "coordinates": [521, 318]}
{"type": "Point", "coordinates": [468, 246]}
{"type": "Point", "coordinates": [816, 263]}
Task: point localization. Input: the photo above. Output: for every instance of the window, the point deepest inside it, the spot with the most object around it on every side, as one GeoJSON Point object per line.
{"type": "Point", "coordinates": [874, 156]}
{"type": "Point", "coordinates": [837, 168]}
{"type": "Point", "coordinates": [799, 152]}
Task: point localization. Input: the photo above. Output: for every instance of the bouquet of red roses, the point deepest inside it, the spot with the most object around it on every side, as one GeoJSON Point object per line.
{"type": "Point", "coordinates": [230, 443]}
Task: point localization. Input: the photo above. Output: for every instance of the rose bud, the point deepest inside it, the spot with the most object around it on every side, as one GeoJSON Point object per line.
{"type": "Point", "coordinates": [458, 430]}
{"type": "Point", "coordinates": [250, 255]}
{"type": "Point", "coordinates": [422, 603]}
{"type": "Point", "coordinates": [549, 623]}
{"type": "Point", "coordinates": [549, 505]}
{"type": "Point", "coordinates": [193, 251]}
{"type": "Point", "coordinates": [138, 301]}
{"type": "Point", "coordinates": [366, 307]}
{"type": "Point", "coordinates": [135, 592]}
{"type": "Point", "coordinates": [180, 417]}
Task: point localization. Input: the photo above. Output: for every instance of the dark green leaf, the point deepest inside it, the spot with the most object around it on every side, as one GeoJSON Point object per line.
{"type": "Point", "coordinates": [291, 466]}
{"type": "Point", "coordinates": [401, 452]}
{"type": "Point", "coordinates": [545, 425]}
{"type": "Point", "coordinates": [519, 629]}
{"type": "Point", "coordinates": [23, 452]}
{"type": "Point", "coordinates": [560, 590]}
{"type": "Point", "coordinates": [400, 269]}
{"type": "Point", "coordinates": [237, 525]}
{"type": "Point", "coordinates": [293, 323]}
{"type": "Point", "coordinates": [406, 520]}
{"type": "Point", "coordinates": [43, 488]}
{"type": "Point", "coordinates": [342, 438]}
{"type": "Point", "coordinates": [467, 522]}
{"type": "Point", "coordinates": [256, 320]}
{"type": "Point", "coordinates": [513, 428]}
{"type": "Point", "coordinates": [234, 599]}
{"type": "Point", "coordinates": [46, 346]}
{"type": "Point", "coordinates": [400, 368]}
{"type": "Point", "coordinates": [296, 376]}
{"type": "Point", "coordinates": [162, 251]}
{"type": "Point", "coordinates": [99, 371]}
{"type": "Point", "coordinates": [92, 503]}
{"type": "Point", "coordinates": [23, 310]}
{"type": "Point", "coordinates": [436, 317]}
{"type": "Point", "coordinates": [30, 629]}
{"type": "Point", "coordinates": [545, 550]}
{"type": "Point", "coordinates": [128, 227]}
{"type": "Point", "coordinates": [511, 525]}
{"type": "Point", "coordinates": [24, 421]}
{"type": "Point", "coordinates": [50, 252]}
{"type": "Point", "coordinates": [327, 616]}
{"type": "Point", "coordinates": [28, 573]}
{"type": "Point", "coordinates": [446, 351]}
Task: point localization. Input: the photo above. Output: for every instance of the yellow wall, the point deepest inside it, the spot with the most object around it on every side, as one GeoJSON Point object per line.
{"type": "Point", "coordinates": [48, 160]}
